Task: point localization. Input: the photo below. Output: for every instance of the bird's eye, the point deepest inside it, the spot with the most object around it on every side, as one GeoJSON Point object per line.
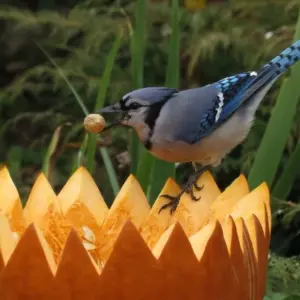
{"type": "Point", "coordinates": [135, 105]}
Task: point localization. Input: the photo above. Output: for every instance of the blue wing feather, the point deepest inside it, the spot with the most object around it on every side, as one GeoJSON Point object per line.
{"type": "Point", "coordinates": [230, 94]}
{"type": "Point", "coordinates": [238, 89]}
{"type": "Point", "coordinates": [228, 88]}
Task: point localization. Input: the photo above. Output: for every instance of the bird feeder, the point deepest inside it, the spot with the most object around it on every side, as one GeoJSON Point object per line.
{"type": "Point", "coordinates": [72, 246]}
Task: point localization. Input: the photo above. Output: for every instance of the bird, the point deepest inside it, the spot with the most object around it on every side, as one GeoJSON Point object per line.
{"type": "Point", "coordinates": [201, 125]}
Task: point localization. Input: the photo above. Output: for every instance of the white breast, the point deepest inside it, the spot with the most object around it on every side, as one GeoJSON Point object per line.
{"type": "Point", "coordinates": [209, 150]}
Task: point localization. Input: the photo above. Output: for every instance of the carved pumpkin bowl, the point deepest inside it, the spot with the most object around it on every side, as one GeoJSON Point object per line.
{"type": "Point", "coordinates": [72, 246]}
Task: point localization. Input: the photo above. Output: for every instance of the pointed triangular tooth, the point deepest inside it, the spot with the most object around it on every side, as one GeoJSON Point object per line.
{"type": "Point", "coordinates": [8, 239]}
{"type": "Point", "coordinates": [261, 250]}
{"type": "Point", "coordinates": [228, 199]}
{"type": "Point", "coordinates": [131, 272]}
{"type": "Point", "coordinates": [10, 203]}
{"type": "Point", "coordinates": [130, 204]}
{"type": "Point", "coordinates": [180, 266]}
{"type": "Point", "coordinates": [256, 235]}
{"type": "Point", "coordinates": [191, 213]}
{"type": "Point", "coordinates": [8, 191]}
{"type": "Point", "coordinates": [83, 207]}
{"type": "Point", "coordinates": [76, 276]}
{"type": "Point", "coordinates": [249, 256]}
{"type": "Point", "coordinates": [253, 203]}
{"type": "Point", "coordinates": [29, 270]}
{"type": "Point", "coordinates": [82, 189]}
{"type": "Point", "coordinates": [43, 209]}
{"type": "Point", "coordinates": [228, 228]}
{"type": "Point", "coordinates": [40, 199]}
{"type": "Point", "coordinates": [215, 250]}
{"type": "Point", "coordinates": [156, 223]}
{"type": "Point", "coordinates": [236, 257]}
{"type": "Point", "coordinates": [200, 239]}
{"type": "Point", "coordinates": [162, 241]}
{"type": "Point", "coordinates": [224, 202]}
{"type": "Point", "coordinates": [74, 248]}
{"type": "Point", "coordinates": [86, 227]}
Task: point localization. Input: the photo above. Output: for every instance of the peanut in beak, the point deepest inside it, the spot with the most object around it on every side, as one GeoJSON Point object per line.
{"type": "Point", "coordinates": [94, 123]}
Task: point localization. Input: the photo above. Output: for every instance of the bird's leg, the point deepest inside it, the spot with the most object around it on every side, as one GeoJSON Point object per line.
{"type": "Point", "coordinates": [188, 188]}
{"type": "Point", "coordinates": [196, 186]}
{"type": "Point", "coordinates": [196, 176]}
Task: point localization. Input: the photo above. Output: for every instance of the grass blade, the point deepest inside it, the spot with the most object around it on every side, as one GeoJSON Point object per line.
{"type": "Point", "coordinates": [103, 86]}
{"type": "Point", "coordinates": [110, 171]}
{"type": "Point", "coordinates": [137, 44]}
{"type": "Point", "coordinates": [162, 170]}
{"type": "Point", "coordinates": [291, 171]}
{"type": "Point", "coordinates": [61, 73]}
{"type": "Point", "coordinates": [270, 151]}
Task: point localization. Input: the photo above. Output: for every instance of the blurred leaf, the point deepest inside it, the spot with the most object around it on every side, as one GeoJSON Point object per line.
{"type": "Point", "coordinates": [14, 161]}
{"type": "Point", "coordinates": [291, 171]}
{"type": "Point", "coordinates": [270, 151]}
{"type": "Point", "coordinates": [162, 170]}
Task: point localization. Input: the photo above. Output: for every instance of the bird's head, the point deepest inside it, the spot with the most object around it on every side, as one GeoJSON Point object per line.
{"type": "Point", "coordinates": [140, 108]}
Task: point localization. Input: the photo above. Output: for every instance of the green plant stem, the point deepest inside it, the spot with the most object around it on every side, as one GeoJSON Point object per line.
{"type": "Point", "coordinates": [138, 43]}
{"type": "Point", "coordinates": [103, 87]}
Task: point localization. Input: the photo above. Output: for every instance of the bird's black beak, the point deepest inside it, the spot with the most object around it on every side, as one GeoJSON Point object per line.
{"type": "Point", "coordinates": [115, 108]}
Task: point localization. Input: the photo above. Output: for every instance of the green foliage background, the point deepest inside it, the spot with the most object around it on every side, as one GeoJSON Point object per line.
{"type": "Point", "coordinates": [38, 108]}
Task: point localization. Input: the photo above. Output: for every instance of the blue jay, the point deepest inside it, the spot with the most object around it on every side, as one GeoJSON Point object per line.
{"type": "Point", "coordinates": [199, 125]}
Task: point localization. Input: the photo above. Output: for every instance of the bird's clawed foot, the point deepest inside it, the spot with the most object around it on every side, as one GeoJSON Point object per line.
{"type": "Point", "coordinates": [188, 188]}
{"type": "Point", "coordinates": [173, 203]}
{"type": "Point", "coordinates": [197, 187]}
{"type": "Point", "coordinates": [174, 200]}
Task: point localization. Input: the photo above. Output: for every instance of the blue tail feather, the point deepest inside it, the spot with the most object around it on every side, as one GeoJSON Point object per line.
{"type": "Point", "coordinates": [286, 58]}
